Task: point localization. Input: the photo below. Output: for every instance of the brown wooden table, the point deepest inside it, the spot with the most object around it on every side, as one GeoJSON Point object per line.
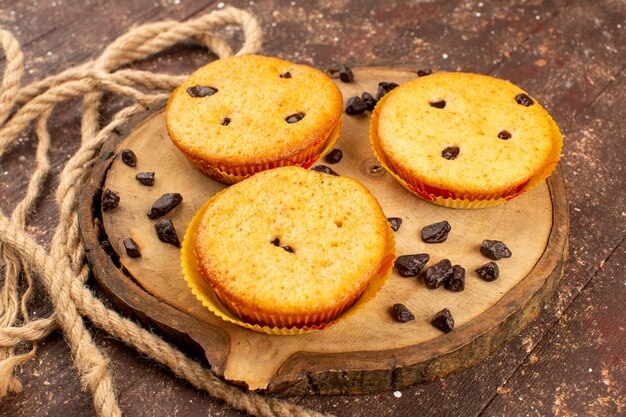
{"type": "Point", "coordinates": [567, 53]}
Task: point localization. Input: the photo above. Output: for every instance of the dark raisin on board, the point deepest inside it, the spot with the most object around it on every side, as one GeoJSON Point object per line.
{"type": "Point", "coordinates": [324, 170]}
{"type": "Point", "coordinates": [436, 232]}
{"type": "Point", "coordinates": [488, 271]}
{"type": "Point", "coordinates": [424, 72]}
{"type": "Point", "coordinates": [443, 321]}
{"type": "Point", "coordinates": [524, 100]}
{"type": "Point", "coordinates": [383, 88]}
{"type": "Point", "coordinates": [129, 158]}
{"type": "Point", "coordinates": [369, 100]}
{"type": "Point", "coordinates": [456, 282]}
{"type": "Point", "coordinates": [145, 178]}
{"type": "Point", "coordinates": [438, 274]}
{"type": "Point", "coordinates": [132, 248]}
{"type": "Point", "coordinates": [333, 156]}
{"type": "Point", "coordinates": [294, 118]}
{"type": "Point", "coordinates": [402, 314]}
{"type": "Point", "coordinates": [451, 152]}
{"type": "Point", "coordinates": [494, 249]}
{"type": "Point", "coordinates": [505, 134]}
{"type": "Point", "coordinates": [411, 265]}
{"type": "Point", "coordinates": [345, 74]}
{"type": "Point", "coordinates": [285, 75]}
{"type": "Point", "coordinates": [110, 200]}
{"type": "Point", "coordinates": [164, 204]}
{"type": "Point", "coordinates": [438, 104]}
{"type": "Point", "coordinates": [355, 106]}
{"type": "Point", "coordinates": [166, 232]}
{"type": "Point", "coordinates": [395, 223]}
{"type": "Point", "coordinates": [201, 91]}
{"type": "Point", "coordinates": [289, 249]}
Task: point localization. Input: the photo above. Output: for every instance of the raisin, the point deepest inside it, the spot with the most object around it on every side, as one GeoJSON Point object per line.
{"type": "Point", "coordinates": [494, 249]}
{"type": "Point", "coordinates": [110, 200]}
{"type": "Point", "coordinates": [395, 223]}
{"type": "Point", "coordinates": [294, 118]}
{"type": "Point", "coordinates": [345, 73]}
{"type": "Point", "coordinates": [438, 273]}
{"type": "Point", "coordinates": [383, 88]}
{"type": "Point", "coordinates": [289, 249]}
{"type": "Point", "coordinates": [132, 249]}
{"type": "Point", "coordinates": [506, 135]}
{"type": "Point", "coordinates": [226, 121]}
{"type": "Point", "coordinates": [285, 75]}
{"type": "Point", "coordinates": [443, 321]}
{"type": "Point", "coordinates": [524, 100]}
{"type": "Point", "coordinates": [324, 169]}
{"type": "Point", "coordinates": [275, 242]}
{"type": "Point", "coordinates": [166, 232]}
{"type": "Point", "coordinates": [436, 232]}
{"type": "Point", "coordinates": [129, 158]}
{"type": "Point", "coordinates": [402, 314]}
{"type": "Point", "coordinates": [201, 91]}
{"type": "Point", "coordinates": [438, 104]}
{"type": "Point", "coordinates": [369, 100]}
{"type": "Point", "coordinates": [146, 178]}
{"type": "Point", "coordinates": [355, 106]}
{"type": "Point", "coordinates": [489, 271]}
{"type": "Point", "coordinates": [451, 152]}
{"type": "Point", "coordinates": [164, 205]}
{"type": "Point", "coordinates": [334, 156]}
{"type": "Point", "coordinates": [456, 282]}
{"type": "Point", "coordinates": [411, 265]}
{"type": "Point", "coordinates": [424, 72]}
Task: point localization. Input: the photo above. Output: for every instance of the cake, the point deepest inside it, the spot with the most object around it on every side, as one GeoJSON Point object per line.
{"type": "Point", "coordinates": [241, 115]}
{"type": "Point", "coordinates": [289, 247]}
{"type": "Point", "coordinates": [464, 140]}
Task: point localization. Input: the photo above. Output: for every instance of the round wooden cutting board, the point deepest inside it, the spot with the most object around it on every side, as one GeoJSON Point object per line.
{"type": "Point", "coordinates": [368, 351]}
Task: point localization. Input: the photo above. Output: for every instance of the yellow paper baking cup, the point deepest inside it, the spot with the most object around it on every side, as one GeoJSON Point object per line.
{"type": "Point", "coordinates": [304, 159]}
{"type": "Point", "coordinates": [208, 297]}
{"type": "Point", "coordinates": [419, 188]}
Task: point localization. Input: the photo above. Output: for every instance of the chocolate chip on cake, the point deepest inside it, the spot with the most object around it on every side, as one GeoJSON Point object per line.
{"type": "Point", "coordinates": [201, 91]}
{"type": "Point", "coordinates": [451, 152]}
{"type": "Point", "coordinates": [443, 321]}
{"type": "Point", "coordinates": [383, 88]}
{"type": "Point", "coordinates": [411, 265]}
{"type": "Point", "coordinates": [402, 314]}
{"type": "Point", "coordinates": [275, 242]}
{"type": "Point", "coordinates": [324, 169]}
{"type": "Point", "coordinates": [494, 249]}
{"type": "Point", "coordinates": [166, 232]}
{"type": "Point", "coordinates": [395, 223]}
{"type": "Point", "coordinates": [438, 274]}
{"type": "Point", "coordinates": [440, 104]}
{"type": "Point", "coordinates": [345, 73]}
{"type": "Point", "coordinates": [285, 75]}
{"type": "Point", "coordinates": [132, 248]}
{"type": "Point", "coordinates": [333, 156]}
{"type": "Point", "coordinates": [294, 118]}
{"type": "Point", "coordinates": [164, 205]}
{"type": "Point", "coordinates": [456, 282]}
{"type": "Point", "coordinates": [289, 249]}
{"type": "Point", "coordinates": [506, 135]}
{"type": "Point", "coordinates": [226, 121]}
{"type": "Point", "coordinates": [129, 158]}
{"type": "Point", "coordinates": [110, 200]}
{"type": "Point", "coordinates": [436, 232]}
{"type": "Point", "coordinates": [524, 100]}
{"type": "Point", "coordinates": [145, 178]}
{"type": "Point", "coordinates": [355, 106]}
{"type": "Point", "coordinates": [424, 72]}
{"type": "Point", "coordinates": [489, 271]}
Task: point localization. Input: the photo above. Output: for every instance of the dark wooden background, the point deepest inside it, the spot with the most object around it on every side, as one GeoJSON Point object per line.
{"type": "Point", "coordinates": [570, 54]}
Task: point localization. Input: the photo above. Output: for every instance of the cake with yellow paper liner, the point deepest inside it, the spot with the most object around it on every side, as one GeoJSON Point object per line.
{"type": "Point", "coordinates": [245, 114]}
{"type": "Point", "coordinates": [464, 140]}
{"type": "Point", "coordinates": [288, 250]}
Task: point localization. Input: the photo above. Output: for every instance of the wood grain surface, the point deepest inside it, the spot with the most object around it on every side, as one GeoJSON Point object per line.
{"type": "Point", "coordinates": [567, 53]}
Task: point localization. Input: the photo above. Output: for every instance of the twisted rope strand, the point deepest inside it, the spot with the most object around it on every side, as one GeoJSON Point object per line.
{"type": "Point", "coordinates": [63, 270]}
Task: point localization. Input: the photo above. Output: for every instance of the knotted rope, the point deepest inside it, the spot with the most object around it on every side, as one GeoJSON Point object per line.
{"type": "Point", "coordinates": [62, 269]}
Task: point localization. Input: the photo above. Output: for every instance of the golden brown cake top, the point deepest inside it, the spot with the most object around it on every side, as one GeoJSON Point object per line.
{"type": "Point", "coordinates": [252, 109]}
{"type": "Point", "coordinates": [501, 143]}
{"type": "Point", "coordinates": [334, 229]}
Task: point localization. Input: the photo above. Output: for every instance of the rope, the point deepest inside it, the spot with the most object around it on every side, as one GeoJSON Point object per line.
{"type": "Point", "coordinates": [62, 269]}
